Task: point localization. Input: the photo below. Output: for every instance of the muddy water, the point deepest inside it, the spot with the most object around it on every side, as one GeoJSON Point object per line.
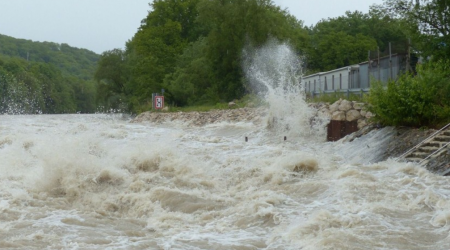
{"type": "Point", "coordinates": [101, 182]}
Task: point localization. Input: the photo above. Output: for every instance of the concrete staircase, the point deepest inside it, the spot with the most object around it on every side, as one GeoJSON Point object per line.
{"type": "Point", "coordinates": [429, 148]}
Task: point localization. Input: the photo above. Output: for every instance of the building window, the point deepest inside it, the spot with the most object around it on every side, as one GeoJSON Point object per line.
{"type": "Point", "coordinates": [326, 87]}
{"type": "Point", "coordinates": [314, 85]}
{"type": "Point", "coordinates": [340, 81]}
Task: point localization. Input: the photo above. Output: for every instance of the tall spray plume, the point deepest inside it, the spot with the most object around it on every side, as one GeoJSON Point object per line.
{"type": "Point", "coordinates": [274, 72]}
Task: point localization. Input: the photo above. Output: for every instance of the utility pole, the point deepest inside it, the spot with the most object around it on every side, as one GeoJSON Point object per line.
{"type": "Point", "coordinates": [390, 61]}
{"type": "Point", "coordinates": [378, 64]}
{"type": "Point", "coordinates": [408, 57]}
{"type": "Point", "coordinates": [368, 69]}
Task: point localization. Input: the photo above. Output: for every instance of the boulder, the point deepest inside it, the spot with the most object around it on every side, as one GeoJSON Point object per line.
{"type": "Point", "coordinates": [338, 116]}
{"type": "Point", "coordinates": [353, 115]}
{"type": "Point", "coordinates": [345, 105]}
{"type": "Point", "coordinates": [334, 107]}
{"type": "Point", "coordinates": [369, 115]}
{"type": "Point", "coordinates": [362, 123]}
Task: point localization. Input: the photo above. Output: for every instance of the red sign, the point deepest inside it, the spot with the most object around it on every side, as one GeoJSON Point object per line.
{"type": "Point", "coordinates": [159, 102]}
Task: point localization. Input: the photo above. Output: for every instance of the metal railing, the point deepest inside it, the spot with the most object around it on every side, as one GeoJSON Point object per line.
{"type": "Point", "coordinates": [423, 142]}
{"type": "Point", "coordinates": [435, 152]}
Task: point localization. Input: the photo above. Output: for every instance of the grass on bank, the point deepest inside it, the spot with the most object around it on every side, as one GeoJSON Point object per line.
{"type": "Point", "coordinates": [333, 97]}
{"type": "Point", "coordinates": [252, 101]}
{"type": "Point", "coordinates": [249, 101]}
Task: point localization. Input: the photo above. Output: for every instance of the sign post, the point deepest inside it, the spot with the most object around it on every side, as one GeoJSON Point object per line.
{"type": "Point", "coordinates": [158, 102]}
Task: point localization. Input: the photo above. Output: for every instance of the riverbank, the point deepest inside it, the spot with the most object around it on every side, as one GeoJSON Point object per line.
{"type": "Point", "coordinates": [195, 118]}
{"type": "Point", "coordinates": [398, 141]}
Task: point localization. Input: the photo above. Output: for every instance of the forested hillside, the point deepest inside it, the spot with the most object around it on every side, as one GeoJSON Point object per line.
{"type": "Point", "coordinates": [194, 49]}
{"type": "Point", "coordinates": [45, 77]}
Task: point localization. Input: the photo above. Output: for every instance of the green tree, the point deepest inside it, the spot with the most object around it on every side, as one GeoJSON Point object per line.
{"type": "Point", "coordinates": [153, 51]}
{"type": "Point", "coordinates": [111, 76]}
{"type": "Point", "coordinates": [193, 49]}
{"type": "Point", "coordinates": [234, 25]}
{"type": "Point", "coordinates": [192, 78]}
{"type": "Point", "coordinates": [427, 23]}
{"type": "Point", "coordinates": [338, 49]}
{"type": "Point", "coordinates": [345, 40]}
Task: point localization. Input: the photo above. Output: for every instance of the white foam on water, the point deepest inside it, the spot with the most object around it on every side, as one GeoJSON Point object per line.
{"type": "Point", "coordinates": [79, 181]}
{"type": "Point", "coordinates": [101, 182]}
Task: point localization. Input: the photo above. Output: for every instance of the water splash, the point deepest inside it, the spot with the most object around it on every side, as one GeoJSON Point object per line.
{"type": "Point", "coordinates": [16, 98]}
{"type": "Point", "coordinates": [274, 71]}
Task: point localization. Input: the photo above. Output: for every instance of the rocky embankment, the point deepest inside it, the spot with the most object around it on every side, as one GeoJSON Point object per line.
{"type": "Point", "coordinates": [254, 115]}
{"type": "Point", "coordinates": [401, 140]}
{"type": "Point", "coordinates": [343, 110]}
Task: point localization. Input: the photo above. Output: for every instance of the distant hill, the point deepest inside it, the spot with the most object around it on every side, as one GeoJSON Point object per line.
{"type": "Point", "coordinates": [72, 61]}
{"type": "Point", "coordinates": [46, 77]}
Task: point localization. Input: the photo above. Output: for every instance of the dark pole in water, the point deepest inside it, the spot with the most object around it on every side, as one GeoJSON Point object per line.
{"type": "Point", "coordinates": [246, 139]}
{"type": "Point", "coordinates": [285, 138]}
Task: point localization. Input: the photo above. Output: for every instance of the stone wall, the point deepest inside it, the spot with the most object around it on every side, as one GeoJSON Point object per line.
{"type": "Point", "coordinates": [343, 110]}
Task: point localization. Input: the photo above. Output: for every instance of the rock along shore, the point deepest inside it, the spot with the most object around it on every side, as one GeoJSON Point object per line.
{"type": "Point", "coordinates": [195, 118]}
{"type": "Point", "coordinates": [402, 139]}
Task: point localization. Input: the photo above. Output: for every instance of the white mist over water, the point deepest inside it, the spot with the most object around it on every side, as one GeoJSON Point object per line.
{"type": "Point", "coordinates": [102, 182]}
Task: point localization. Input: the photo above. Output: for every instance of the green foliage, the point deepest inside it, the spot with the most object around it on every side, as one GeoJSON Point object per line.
{"type": "Point", "coordinates": [153, 52]}
{"type": "Point", "coordinates": [249, 100]}
{"type": "Point", "coordinates": [111, 76]}
{"type": "Point", "coordinates": [346, 40]}
{"type": "Point", "coordinates": [420, 100]}
{"type": "Point", "coordinates": [71, 61]}
{"type": "Point", "coordinates": [338, 49]}
{"type": "Point", "coordinates": [192, 49]}
{"type": "Point", "coordinates": [192, 77]}
{"type": "Point", "coordinates": [427, 22]}
{"type": "Point", "coordinates": [45, 77]}
{"type": "Point", "coordinates": [235, 24]}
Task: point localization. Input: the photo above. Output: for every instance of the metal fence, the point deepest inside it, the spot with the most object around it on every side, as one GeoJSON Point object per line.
{"type": "Point", "coordinates": [356, 79]}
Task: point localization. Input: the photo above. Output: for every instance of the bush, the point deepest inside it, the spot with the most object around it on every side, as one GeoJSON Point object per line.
{"type": "Point", "coordinates": [414, 100]}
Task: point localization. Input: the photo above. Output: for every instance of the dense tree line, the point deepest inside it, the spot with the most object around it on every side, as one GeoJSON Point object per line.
{"type": "Point", "coordinates": [193, 48]}
{"type": "Point", "coordinates": [346, 40]}
{"type": "Point", "coordinates": [45, 77]}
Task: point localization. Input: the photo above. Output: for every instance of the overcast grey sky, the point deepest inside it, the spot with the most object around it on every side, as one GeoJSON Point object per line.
{"type": "Point", "coordinates": [101, 25]}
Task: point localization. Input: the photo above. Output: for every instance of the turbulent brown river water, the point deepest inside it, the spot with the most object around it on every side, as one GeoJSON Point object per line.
{"type": "Point", "coordinates": [102, 182]}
